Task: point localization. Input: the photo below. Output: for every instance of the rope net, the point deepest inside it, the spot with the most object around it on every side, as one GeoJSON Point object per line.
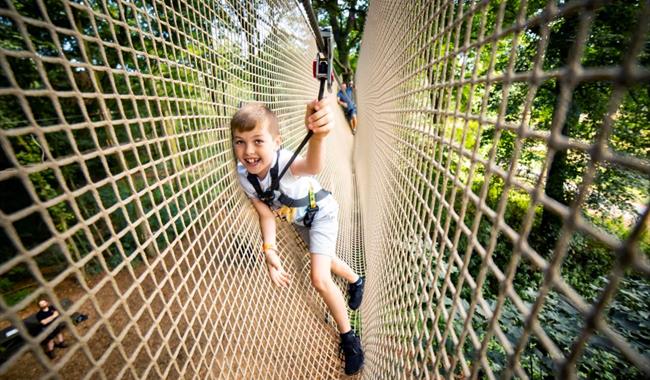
{"type": "Point", "coordinates": [120, 202]}
{"type": "Point", "coordinates": [456, 134]}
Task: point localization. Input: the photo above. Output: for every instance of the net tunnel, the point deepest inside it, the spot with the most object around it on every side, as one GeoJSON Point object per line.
{"type": "Point", "coordinates": [119, 199]}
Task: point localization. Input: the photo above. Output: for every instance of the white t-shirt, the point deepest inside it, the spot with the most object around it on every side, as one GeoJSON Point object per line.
{"type": "Point", "coordinates": [295, 187]}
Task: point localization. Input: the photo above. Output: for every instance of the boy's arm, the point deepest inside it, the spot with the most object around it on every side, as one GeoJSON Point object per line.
{"type": "Point", "coordinates": [267, 221]}
{"type": "Point", "coordinates": [319, 119]}
{"type": "Point", "coordinates": [267, 224]}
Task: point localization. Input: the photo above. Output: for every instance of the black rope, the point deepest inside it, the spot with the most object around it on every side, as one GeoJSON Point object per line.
{"type": "Point", "coordinates": [304, 141]}
{"type": "Point", "coordinates": [313, 22]}
{"type": "Point", "coordinates": [321, 90]}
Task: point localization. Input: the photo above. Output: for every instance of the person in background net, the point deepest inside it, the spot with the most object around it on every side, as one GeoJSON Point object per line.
{"type": "Point", "coordinates": [352, 89]}
{"type": "Point", "coordinates": [346, 100]}
{"type": "Point", "coordinates": [46, 315]}
{"type": "Point", "coordinates": [300, 199]}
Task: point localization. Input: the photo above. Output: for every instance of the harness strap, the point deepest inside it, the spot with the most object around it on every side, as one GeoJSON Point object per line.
{"type": "Point", "coordinates": [268, 195]}
{"type": "Point", "coordinates": [310, 200]}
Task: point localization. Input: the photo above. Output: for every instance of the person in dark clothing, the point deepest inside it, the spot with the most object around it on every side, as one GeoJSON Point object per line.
{"type": "Point", "coordinates": [47, 315]}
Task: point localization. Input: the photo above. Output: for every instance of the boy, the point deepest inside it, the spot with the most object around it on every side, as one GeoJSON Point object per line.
{"type": "Point", "coordinates": [256, 143]}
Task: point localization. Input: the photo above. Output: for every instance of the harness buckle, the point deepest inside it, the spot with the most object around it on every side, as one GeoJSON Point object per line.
{"type": "Point", "coordinates": [312, 209]}
{"type": "Point", "coordinates": [268, 197]}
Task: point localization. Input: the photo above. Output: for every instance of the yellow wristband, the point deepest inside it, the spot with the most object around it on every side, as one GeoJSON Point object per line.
{"type": "Point", "coordinates": [267, 246]}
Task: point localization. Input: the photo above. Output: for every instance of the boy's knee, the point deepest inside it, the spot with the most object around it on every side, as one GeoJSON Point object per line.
{"type": "Point", "coordinates": [319, 281]}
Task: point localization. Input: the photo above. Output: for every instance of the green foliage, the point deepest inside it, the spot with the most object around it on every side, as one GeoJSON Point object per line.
{"type": "Point", "coordinates": [17, 296]}
{"type": "Point", "coordinates": [627, 314]}
{"type": "Point", "coordinates": [16, 284]}
{"type": "Point", "coordinates": [563, 323]}
{"type": "Point", "coordinates": [5, 285]}
{"type": "Point", "coordinates": [101, 124]}
{"type": "Point", "coordinates": [615, 189]}
{"type": "Point", "coordinates": [185, 85]}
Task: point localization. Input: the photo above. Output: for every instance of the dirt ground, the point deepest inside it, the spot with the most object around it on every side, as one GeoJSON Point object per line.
{"type": "Point", "coordinates": [190, 315]}
{"type": "Point", "coordinates": [74, 365]}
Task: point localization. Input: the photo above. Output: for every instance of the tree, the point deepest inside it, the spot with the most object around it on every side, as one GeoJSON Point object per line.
{"type": "Point", "coordinates": [613, 187]}
{"type": "Point", "coordinates": [347, 19]}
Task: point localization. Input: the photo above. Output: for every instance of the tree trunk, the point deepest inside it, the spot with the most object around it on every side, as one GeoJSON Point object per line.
{"type": "Point", "coordinates": [558, 175]}
{"type": "Point", "coordinates": [545, 237]}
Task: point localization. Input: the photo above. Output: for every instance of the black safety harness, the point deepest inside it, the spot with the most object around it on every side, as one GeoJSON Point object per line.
{"type": "Point", "coordinates": [322, 70]}
{"type": "Point", "coordinates": [273, 193]}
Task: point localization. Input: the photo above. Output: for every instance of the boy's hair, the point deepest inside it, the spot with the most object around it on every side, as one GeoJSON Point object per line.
{"type": "Point", "coordinates": [249, 115]}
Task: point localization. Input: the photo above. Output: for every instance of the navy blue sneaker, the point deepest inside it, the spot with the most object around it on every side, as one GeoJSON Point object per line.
{"type": "Point", "coordinates": [355, 293]}
{"type": "Point", "coordinates": [351, 347]}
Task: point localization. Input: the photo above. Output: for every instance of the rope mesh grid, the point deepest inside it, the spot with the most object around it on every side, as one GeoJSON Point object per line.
{"type": "Point", "coordinates": [425, 102]}
{"type": "Point", "coordinates": [115, 134]}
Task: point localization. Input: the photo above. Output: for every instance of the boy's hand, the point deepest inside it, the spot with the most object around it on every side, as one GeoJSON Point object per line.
{"type": "Point", "coordinates": [318, 118]}
{"type": "Point", "coordinates": [278, 276]}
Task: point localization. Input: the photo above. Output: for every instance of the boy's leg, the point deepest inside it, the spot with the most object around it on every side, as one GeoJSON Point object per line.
{"type": "Point", "coordinates": [355, 286]}
{"type": "Point", "coordinates": [342, 269]}
{"type": "Point", "coordinates": [321, 279]}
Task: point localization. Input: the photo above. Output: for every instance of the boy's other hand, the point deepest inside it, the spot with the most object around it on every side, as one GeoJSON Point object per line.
{"type": "Point", "coordinates": [319, 118]}
{"type": "Point", "coordinates": [278, 275]}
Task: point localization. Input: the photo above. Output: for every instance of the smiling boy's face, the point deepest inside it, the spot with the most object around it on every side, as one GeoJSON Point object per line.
{"type": "Point", "coordinates": [255, 148]}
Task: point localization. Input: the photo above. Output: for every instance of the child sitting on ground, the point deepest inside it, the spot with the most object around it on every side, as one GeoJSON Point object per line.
{"type": "Point", "coordinates": [298, 197]}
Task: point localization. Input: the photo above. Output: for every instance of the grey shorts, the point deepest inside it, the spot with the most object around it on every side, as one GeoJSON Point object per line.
{"type": "Point", "coordinates": [321, 237]}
